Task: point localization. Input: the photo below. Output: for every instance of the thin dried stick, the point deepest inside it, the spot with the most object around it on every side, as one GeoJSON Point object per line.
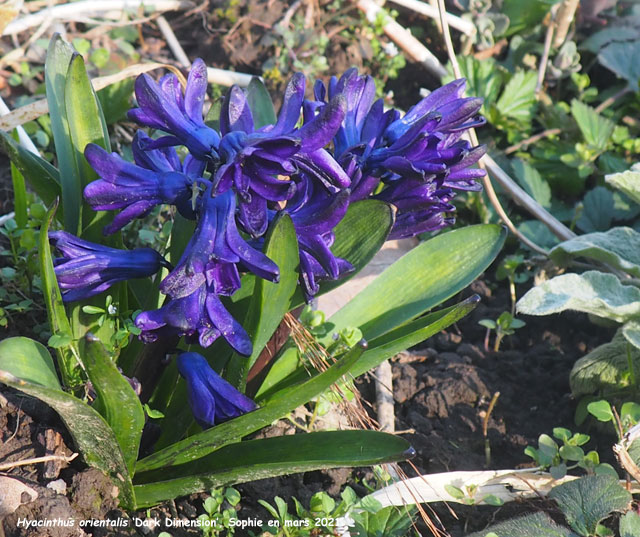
{"type": "Point", "coordinates": [9, 465]}
{"type": "Point", "coordinates": [25, 141]}
{"type": "Point", "coordinates": [172, 41]}
{"type": "Point", "coordinates": [542, 68]}
{"type": "Point", "coordinates": [384, 397]}
{"type": "Point", "coordinates": [532, 140]}
{"type": "Point", "coordinates": [563, 19]}
{"type": "Point", "coordinates": [462, 25]}
{"type": "Point", "coordinates": [403, 38]}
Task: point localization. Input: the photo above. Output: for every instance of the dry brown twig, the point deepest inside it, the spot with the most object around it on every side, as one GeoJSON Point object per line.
{"type": "Point", "coordinates": [36, 460]}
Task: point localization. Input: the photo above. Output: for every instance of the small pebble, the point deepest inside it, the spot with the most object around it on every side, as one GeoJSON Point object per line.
{"type": "Point", "coordinates": [58, 486]}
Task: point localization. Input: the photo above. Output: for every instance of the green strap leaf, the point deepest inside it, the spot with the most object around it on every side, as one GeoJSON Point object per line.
{"type": "Point", "coordinates": [358, 238]}
{"type": "Point", "coordinates": [270, 301]}
{"type": "Point", "coordinates": [270, 457]}
{"type": "Point", "coordinates": [117, 402]}
{"type": "Point", "coordinates": [59, 55]}
{"type": "Point", "coordinates": [40, 175]}
{"type": "Point", "coordinates": [404, 337]}
{"type": "Point", "coordinates": [260, 104]}
{"type": "Point", "coordinates": [592, 292]}
{"type": "Point", "coordinates": [28, 360]}
{"type": "Point", "coordinates": [619, 247]}
{"type": "Point", "coordinates": [68, 355]}
{"type": "Point", "coordinates": [203, 443]}
{"type": "Point", "coordinates": [86, 125]}
{"type": "Point", "coordinates": [423, 278]}
{"type": "Point", "coordinates": [90, 432]}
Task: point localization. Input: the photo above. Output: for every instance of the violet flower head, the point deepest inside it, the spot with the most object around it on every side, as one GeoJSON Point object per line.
{"type": "Point", "coordinates": [214, 251]}
{"type": "Point", "coordinates": [315, 213]}
{"type": "Point", "coordinates": [424, 145]}
{"type": "Point", "coordinates": [200, 317]}
{"type": "Point", "coordinates": [136, 190]}
{"type": "Point", "coordinates": [259, 163]}
{"type": "Point", "coordinates": [163, 106]}
{"type": "Point", "coordinates": [211, 398]}
{"type": "Point", "coordinates": [86, 269]}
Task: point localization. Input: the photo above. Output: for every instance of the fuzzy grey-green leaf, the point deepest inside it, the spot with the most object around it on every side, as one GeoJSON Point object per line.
{"type": "Point", "coordinates": [619, 247]}
{"type": "Point", "coordinates": [536, 525]}
{"type": "Point", "coordinates": [592, 292]}
{"type": "Point", "coordinates": [627, 182]}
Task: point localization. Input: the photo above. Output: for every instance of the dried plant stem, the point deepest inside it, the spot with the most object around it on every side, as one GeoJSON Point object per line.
{"type": "Point", "coordinates": [563, 18]}
{"type": "Point", "coordinates": [384, 397]}
{"type": "Point", "coordinates": [172, 41]}
{"type": "Point", "coordinates": [25, 141]}
{"type": "Point", "coordinates": [485, 428]}
{"type": "Point", "coordinates": [9, 465]}
{"type": "Point", "coordinates": [81, 10]}
{"type": "Point", "coordinates": [402, 37]}
{"type": "Point", "coordinates": [542, 68]}
{"type": "Point", "coordinates": [532, 140]}
{"type": "Point", "coordinates": [462, 25]}
{"type": "Point", "coordinates": [517, 193]}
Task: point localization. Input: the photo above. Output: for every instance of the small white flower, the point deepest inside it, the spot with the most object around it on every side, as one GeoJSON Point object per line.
{"type": "Point", "coordinates": [391, 50]}
{"type": "Point", "coordinates": [112, 309]}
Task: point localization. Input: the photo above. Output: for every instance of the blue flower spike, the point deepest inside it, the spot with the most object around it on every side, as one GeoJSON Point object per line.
{"type": "Point", "coordinates": [212, 399]}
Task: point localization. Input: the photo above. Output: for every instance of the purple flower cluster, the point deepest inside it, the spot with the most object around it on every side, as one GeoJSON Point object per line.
{"type": "Point", "coordinates": [316, 159]}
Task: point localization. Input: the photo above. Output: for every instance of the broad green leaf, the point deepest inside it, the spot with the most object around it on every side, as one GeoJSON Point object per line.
{"type": "Point", "coordinates": [212, 439]}
{"type": "Point", "coordinates": [535, 525]}
{"type": "Point", "coordinates": [596, 129]}
{"type": "Point", "coordinates": [41, 176]}
{"type": "Point", "coordinates": [358, 238]}
{"type": "Point", "coordinates": [601, 410]}
{"type": "Point", "coordinates": [28, 360]}
{"type": "Point", "coordinates": [518, 98]}
{"type": "Point", "coordinates": [537, 232]}
{"type": "Point", "coordinates": [532, 182]}
{"type": "Point", "coordinates": [621, 57]}
{"type": "Point", "coordinates": [116, 401]}
{"type": "Point", "coordinates": [525, 15]}
{"type": "Point", "coordinates": [628, 182]}
{"type": "Point", "coordinates": [286, 363]}
{"type": "Point", "coordinates": [115, 100]}
{"type": "Point", "coordinates": [91, 434]}
{"type": "Point", "coordinates": [614, 32]}
{"type": "Point", "coordinates": [410, 334]}
{"type": "Point", "coordinates": [592, 292]}
{"type": "Point", "coordinates": [59, 55]}
{"type": "Point", "coordinates": [260, 104]}
{"type": "Point", "coordinates": [630, 525]}
{"type": "Point", "coordinates": [598, 210]}
{"type": "Point", "coordinates": [86, 125]}
{"type": "Point", "coordinates": [619, 247]}
{"type": "Point", "coordinates": [270, 301]}
{"type": "Point", "coordinates": [604, 368]}
{"type": "Point", "coordinates": [420, 280]}
{"type": "Point", "coordinates": [270, 457]}
{"type": "Point", "coordinates": [631, 332]}
{"type": "Point", "coordinates": [68, 355]}
{"type": "Point", "coordinates": [586, 501]}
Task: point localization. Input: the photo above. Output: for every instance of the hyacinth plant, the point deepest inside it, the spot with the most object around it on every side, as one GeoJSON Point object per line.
{"type": "Point", "coordinates": [269, 211]}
